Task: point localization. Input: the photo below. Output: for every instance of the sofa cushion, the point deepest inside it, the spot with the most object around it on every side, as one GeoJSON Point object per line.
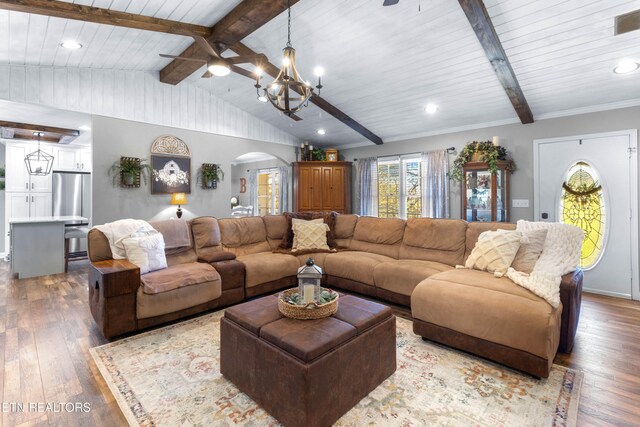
{"type": "Point", "coordinates": [403, 275]}
{"type": "Point", "coordinates": [244, 236]}
{"type": "Point", "coordinates": [318, 259]}
{"type": "Point", "coordinates": [309, 235]}
{"type": "Point", "coordinates": [178, 276]}
{"type": "Point", "coordinates": [266, 267]}
{"type": "Point", "coordinates": [177, 299]}
{"type": "Point", "coordinates": [357, 266]}
{"type": "Point", "coordinates": [495, 309]}
{"type": "Point", "coordinates": [276, 227]}
{"type": "Point", "coordinates": [475, 229]}
{"type": "Point", "coordinates": [495, 251]}
{"type": "Point", "coordinates": [176, 233]}
{"type": "Point", "coordinates": [345, 226]}
{"type": "Point", "coordinates": [329, 218]}
{"type": "Point", "coordinates": [206, 232]}
{"type": "Point", "coordinates": [378, 235]}
{"type": "Point", "coordinates": [440, 240]}
{"type": "Point", "coordinates": [530, 250]}
{"type": "Point", "coordinates": [146, 250]}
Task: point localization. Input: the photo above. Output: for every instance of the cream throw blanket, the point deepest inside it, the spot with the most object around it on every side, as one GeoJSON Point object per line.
{"type": "Point", "coordinates": [560, 255]}
{"type": "Point", "coordinates": [121, 229]}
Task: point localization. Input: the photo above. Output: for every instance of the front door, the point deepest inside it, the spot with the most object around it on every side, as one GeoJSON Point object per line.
{"type": "Point", "coordinates": [591, 181]}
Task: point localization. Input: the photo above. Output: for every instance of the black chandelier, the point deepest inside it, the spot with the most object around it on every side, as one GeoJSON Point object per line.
{"type": "Point", "coordinates": [39, 162]}
{"type": "Point", "coordinates": [289, 92]}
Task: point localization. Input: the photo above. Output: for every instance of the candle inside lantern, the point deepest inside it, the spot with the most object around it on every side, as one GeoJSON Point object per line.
{"type": "Point", "coordinates": [308, 294]}
{"type": "Point", "coordinates": [496, 141]}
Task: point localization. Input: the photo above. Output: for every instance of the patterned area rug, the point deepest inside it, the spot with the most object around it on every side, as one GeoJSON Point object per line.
{"type": "Point", "coordinates": [170, 377]}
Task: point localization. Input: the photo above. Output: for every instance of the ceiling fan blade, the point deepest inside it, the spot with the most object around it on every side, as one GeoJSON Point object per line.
{"type": "Point", "coordinates": [243, 72]}
{"type": "Point", "coordinates": [204, 44]}
{"type": "Point", "coordinates": [207, 75]}
{"type": "Point", "coordinates": [253, 59]}
{"type": "Point", "coordinates": [390, 2]}
{"type": "Point", "coordinates": [183, 58]}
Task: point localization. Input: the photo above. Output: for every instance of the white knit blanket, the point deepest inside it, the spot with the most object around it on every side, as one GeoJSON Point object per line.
{"type": "Point", "coordinates": [560, 255]}
{"type": "Point", "coordinates": [121, 229]}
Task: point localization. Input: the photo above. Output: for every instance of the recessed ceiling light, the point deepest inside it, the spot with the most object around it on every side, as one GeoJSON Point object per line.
{"type": "Point", "coordinates": [431, 108]}
{"type": "Point", "coordinates": [84, 127]}
{"type": "Point", "coordinates": [71, 45]}
{"type": "Point", "coordinates": [321, 131]}
{"type": "Point", "coordinates": [626, 66]}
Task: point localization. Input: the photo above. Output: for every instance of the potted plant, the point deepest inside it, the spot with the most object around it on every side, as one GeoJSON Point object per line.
{"type": "Point", "coordinates": [481, 151]}
{"type": "Point", "coordinates": [2, 172]}
{"type": "Point", "coordinates": [127, 169]}
{"type": "Point", "coordinates": [209, 174]}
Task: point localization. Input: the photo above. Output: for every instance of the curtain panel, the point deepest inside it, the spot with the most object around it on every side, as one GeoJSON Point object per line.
{"type": "Point", "coordinates": [253, 191]}
{"type": "Point", "coordinates": [435, 184]}
{"type": "Point", "coordinates": [283, 201]}
{"type": "Point", "coordinates": [367, 173]}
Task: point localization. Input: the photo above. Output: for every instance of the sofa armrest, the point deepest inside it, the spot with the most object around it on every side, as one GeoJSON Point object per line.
{"type": "Point", "coordinates": [113, 286]}
{"type": "Point", "coordinates": [571, 297]}
{"type": "Point", "coordinates": [231, 273]}
{"type": "Point", "coordinates": [216, 257]}
{"type": "Point", "coordinates": [115, 276]}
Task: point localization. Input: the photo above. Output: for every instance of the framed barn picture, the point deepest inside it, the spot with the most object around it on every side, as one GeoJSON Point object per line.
{"type": "Point", "coordinates": [171, 174]}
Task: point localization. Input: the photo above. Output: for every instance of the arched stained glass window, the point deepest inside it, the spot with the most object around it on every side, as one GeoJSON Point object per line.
{"type": "Point", "coordinates": [583, 204]}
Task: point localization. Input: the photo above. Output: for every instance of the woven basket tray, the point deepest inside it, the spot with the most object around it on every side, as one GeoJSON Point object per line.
{"type": "Point", "coordinates": [308, 312]}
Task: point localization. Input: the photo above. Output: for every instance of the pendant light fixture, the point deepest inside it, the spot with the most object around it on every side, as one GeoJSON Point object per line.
{"type": "Point", "coordinates": [39, 162]}
{"type": "Point", "coordinates": [289, 92]}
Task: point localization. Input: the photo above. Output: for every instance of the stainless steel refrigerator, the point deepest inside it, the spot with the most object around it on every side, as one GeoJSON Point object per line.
{"type": "Point", "coordinates": [72, 196]}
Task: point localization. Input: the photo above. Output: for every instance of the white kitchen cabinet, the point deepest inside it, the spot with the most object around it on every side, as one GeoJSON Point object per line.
{"type": "Point", "coordinates": [40, 204]}
{"type": "Point", "coordinates": [17, 177]}
{"type": "Point", "coordinates": [66, 158]}
{"type": "Point", "coordinates": [85, 160]}
{"type": "Point", "coordinates": [17, 205]}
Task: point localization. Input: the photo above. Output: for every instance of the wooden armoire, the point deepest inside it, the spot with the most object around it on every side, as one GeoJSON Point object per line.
{"type": "Point", "coordinates": [322, 186]}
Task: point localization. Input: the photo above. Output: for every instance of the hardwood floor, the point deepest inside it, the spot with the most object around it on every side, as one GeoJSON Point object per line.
{"type": "Point", "coordinates": [46, 331]}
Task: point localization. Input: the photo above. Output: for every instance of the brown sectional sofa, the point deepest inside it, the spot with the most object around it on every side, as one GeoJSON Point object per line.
{"type": "Point", "coordinates": [411, 263]}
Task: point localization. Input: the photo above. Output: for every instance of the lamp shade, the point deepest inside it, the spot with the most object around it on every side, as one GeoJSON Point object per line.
{"type": "Point", "coordinates": [178, 199]}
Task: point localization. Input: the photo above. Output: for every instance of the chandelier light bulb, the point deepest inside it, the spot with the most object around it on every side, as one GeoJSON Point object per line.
{"type": "Point", "coordinates": [286, 61]}
{"type": "Point", "coordinates": [318, 71]}
{"type": "Point", "coordinates": [626, 66]}
{"type": "Point", "coordinates": [258, 71]}
{"type": "Point", "coordinates": [262, 98]}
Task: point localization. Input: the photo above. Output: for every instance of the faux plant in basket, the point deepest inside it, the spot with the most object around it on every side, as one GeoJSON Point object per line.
{"type": "Point", "coordinates": [481, 151]}
{"type": "Point", "coordinates": [209, 174]}
{"type": "Point", "coordinates": [127, 170]}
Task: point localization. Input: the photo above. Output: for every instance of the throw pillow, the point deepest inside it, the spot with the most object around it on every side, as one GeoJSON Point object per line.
{"type": "Point", "coordinates": [494, 252]}
{"type": "Point", "coordinates": [530, 250]}
{"type": "Point", "coordinates": [310, 235]}
{"type": "Point", "coordinates": [295, 222]}
{"type": "Point", "coordinates": [328, 217]}
{"type": "Point", "coordinates": [146, 250]}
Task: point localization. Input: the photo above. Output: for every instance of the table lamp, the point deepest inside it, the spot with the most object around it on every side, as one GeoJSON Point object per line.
{"type": "Point", "coordinates": [179, 199]}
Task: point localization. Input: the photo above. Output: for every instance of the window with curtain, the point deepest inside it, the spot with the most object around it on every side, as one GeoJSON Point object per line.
{"type": "Point", "coordinates": [399, 187]}
{"type": "Point", "coordinates": [268, 191]}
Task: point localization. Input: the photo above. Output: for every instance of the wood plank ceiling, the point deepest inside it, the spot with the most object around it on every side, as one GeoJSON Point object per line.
{"type": "Point", "coordinates": [383, 64]}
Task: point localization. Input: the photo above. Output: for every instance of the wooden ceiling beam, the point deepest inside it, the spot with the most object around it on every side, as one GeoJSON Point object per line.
{"type": "Point", "coordinates": [39, 128]}
{"type": "Point", "coordinates": [243, 20]}
{"type": "Point", "coordinates": [320, 102]}
{"type": "Point", "coordinates": [481, 23]}
{"type": "Point", "coordinates": [627, 22]}
{"type": "Point", "coordinates": [61, 9]}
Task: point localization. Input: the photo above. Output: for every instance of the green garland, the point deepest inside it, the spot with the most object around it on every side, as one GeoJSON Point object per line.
{"type": "Point", "coordinates": [488, 152]}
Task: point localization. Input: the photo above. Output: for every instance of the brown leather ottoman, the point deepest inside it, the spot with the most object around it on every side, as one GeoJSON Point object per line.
{"type": "Point", "coordinates": [307, 372]}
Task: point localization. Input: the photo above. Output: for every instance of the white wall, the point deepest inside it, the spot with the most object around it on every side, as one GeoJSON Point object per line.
{"type": "Point", "coordinates": [133, 95]}
{"type": "Point", "coordinates": [517, 138]}
{"type": "Point", "coordinates": [113, 138]}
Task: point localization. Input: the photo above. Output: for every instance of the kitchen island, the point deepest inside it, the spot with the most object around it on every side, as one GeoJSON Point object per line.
{"type": "Point", "coordinates": [37, 244]}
